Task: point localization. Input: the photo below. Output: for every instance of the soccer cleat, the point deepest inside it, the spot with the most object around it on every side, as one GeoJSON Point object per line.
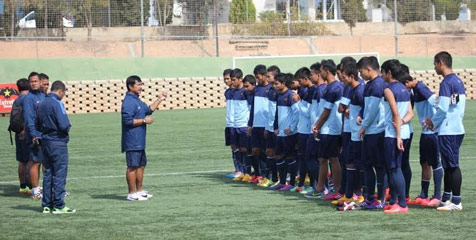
{"type": "Point", "coordinates": [277, 186]}
{"type": "Point", "coordinates": [313, 194]}
{"type": "Point", "coordinates": [257, 179]}
{"type": "Point", "coordinates": [396, 209]}
{"type": "Point", "coordinates": [63, 210]}
{"type": "Point", "coordinates": [373, 205]}
{"type": "Point", "coordinates": [443, 204]}
{"type": "Point", "coordinates": [239, 177]}
{"type": "Point", "coordinates": [231, 175]}
{"type": "Point", "coordinates": [451, 207]}
{"type": "Point", "coordinates": [359, 199]}
{"type": "Point", "coordinates": [264, 181]}
{"type": "Point", "coordinates": [434, 203]}
{"type": "Point", "coordinates": [341, 201]}
{"type": "Point", "coordinates": [37, 196]}
{"type": "Point", "coordinates": [286, 188]}
{"type": "Point", "coordinates": [46, 210]}
{"type": "Point", "coordinates": [388, 206]}
{"type": "Point", "coordinates": [267, 184]}
{"type": "Point", "coordinates": [246, 178]}
{"type": "Point", "coordinates": [416, 201]}
{"type": "Point", "coordinates": [136, 197]}
{"type": "Point", "coordinates": [349, 206]}
{"type": "Point", "coordinates": [305, 190]}
{"type": "Point", "coordinates": [25, 190]}
{"type": "Point", "coordinates": [307, 180]}
{"type": "Point", "coordinates": [145, 194]}
{"type": "Point", "coordinates": [296, 189]}
{"type": "Point", "coordinates": [332, 196]}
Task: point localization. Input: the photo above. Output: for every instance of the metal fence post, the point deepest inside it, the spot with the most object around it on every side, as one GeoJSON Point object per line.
{"type": "Point", "coordinates": [142, 27]}
{"type": "Point", "coordinates": [396, 27]}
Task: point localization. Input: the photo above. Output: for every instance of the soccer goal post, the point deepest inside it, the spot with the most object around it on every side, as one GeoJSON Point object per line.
{"type": "Point", "coordinates": [291, 63]}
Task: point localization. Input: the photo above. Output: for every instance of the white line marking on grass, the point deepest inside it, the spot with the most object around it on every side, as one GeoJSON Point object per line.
{"type": "Point", "coordinates": [147, 175]}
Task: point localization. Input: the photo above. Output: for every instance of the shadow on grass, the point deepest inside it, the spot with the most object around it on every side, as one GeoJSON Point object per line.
{"type": "Point", "coordinates": [11, 191]}
{"type": "Point", "coordinates": [28, 207]}
{"type": "Point", "coordinates": [109, 197]}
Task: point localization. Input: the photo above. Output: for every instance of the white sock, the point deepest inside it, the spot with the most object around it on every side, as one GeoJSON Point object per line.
{"type": "Point", "coordinates": [36, 190]}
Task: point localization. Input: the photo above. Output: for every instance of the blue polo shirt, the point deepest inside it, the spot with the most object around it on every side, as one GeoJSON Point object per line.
{"type": "Point", "coordinates": [229, 107]}
{"type": "Point", "coordinates": [402, 99]}
{"type": "Point", "coordinates": [133, 137]}
{"type": "Point", "coordinates": [373, 111]}
{"type": "Point", "coordinates": [424, 104]}
{"type": "Point", "coordinates": [331, 100]}
{"type": "Point", "coordinates": [260, 107]}
{"type": "Point", "coordinates": [287, 114]}
{"type": "Point", "coordinates": [53, 120]}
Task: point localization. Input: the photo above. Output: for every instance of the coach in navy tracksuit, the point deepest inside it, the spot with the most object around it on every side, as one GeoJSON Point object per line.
{"type": "Point", "coordinates": [53, 122]}
{"type": "Point", "coordinates": [134, 120]}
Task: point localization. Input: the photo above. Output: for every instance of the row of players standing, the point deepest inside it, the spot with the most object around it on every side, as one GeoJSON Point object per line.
{"type": "Point", "coordinates": [300, 124]}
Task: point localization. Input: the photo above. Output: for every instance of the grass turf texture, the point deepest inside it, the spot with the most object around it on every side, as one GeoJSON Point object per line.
{"type": "Point", "coordinates": [204, 205]}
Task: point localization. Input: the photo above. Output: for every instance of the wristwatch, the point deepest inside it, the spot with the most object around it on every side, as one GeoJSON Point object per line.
{"type": "Point", "coordinates": [143, 121]}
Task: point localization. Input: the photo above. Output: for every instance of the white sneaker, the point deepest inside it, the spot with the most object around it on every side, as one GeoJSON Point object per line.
{"type": "Point", "coordinates": [443, 204]}
{"type": "Point", "coordinates": [145, 194]}
{"type": "Point", "coordinates": [451, 207]}
{"type": "Point", "coordinates": [136, 197]}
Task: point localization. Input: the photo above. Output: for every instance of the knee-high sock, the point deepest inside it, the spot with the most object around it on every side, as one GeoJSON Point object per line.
{"type": "Point", "coordinates": [235, 162]}
{"type": "Point", "coordinates": [456, 179]}
{"type": "Point", "coordinates": [274, 169]}
{"type": "Point", "coordinates": [292, 170]}
{"type": "Point", "coordinates": [255, 163]}
{"type": "Point", "coordinates": [380, 172]}
{"type": "Point", "coordinates": [362, 183]}
{"type": "Point", "coordinates": [407, 174]}
{"type": "Point", "coordinates": [343, 182]}
{"type": "Point", "coordinates": [437, 177]}
{"type": "Point", "coordinates": [425, 185]}
{"type": "Point", "coordinates": [370, 182]}
{"type": "Point", "coordinates": [398, 182]}
{"type": "Point", "coordinates": [262, 164]}
{"type": "Point", "coordinates": [313, 171]}
{"type": "Point", "coordinates": [447, 185]}
{"type": "Point", "coordinates": [239, 160]}
{"type": "Point", "coordinates": [246, 163]}
{"type": "Point", "coordinates": [351, 180]}
{"type": "Point", "coordinates": [282, 169]}
{"type": "Point", "coordinates": [302, 170]}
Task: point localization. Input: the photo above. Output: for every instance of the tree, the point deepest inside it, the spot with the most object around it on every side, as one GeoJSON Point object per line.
{"type": "Point", "coordinates": [242, 11]}
{"type": "Point", "coordinates": [353, 12]}
{"type": "Point", "coordinates": [85, 8]}
{"type": "Point", "coordinates": [164, 11]}
{"type": "Point", "coordinates": [449, 8]}
{"type": "Point", "coordinates": [412, 10]}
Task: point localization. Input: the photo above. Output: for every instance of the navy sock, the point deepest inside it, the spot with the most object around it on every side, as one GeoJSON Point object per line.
{"type": "Point", "coordinates": [398, 182]}
{"type": "Point", "coordinates": [262, 164]}
{"type": "Point", "coordinates": [407, 174]}
{"type": "Point", "coordinates": [274, 170]}
{"type": "Point", "coordinates": [282, 169]}
{"type": "Point", "coordinates": [362, 186]}
{"type": "Point", "coordinates": [350, 181]}
{"type": "Point", "coordinates": [425, 184]}
{"type": "Point", "coordinates": [235, 162]}
{"type": "Point", "coordinates": [313, 171]}
{"type": "Point", "coordinates": [437, 177]}
{"type": "Point", "coordinates": [292, 170]}
{"type": "Point", "coordinates": [393, 192]}
{"type": "Point", "coordinates": [255, 163]}
{"type": "Point", "coordinates": [447, 186]}
{"type": "Point", "coordinates": [246, 163]}
{"type": "Point", "coordinates": [22, 185]}
{"type": "Point", "coordinates": [239, 161]}
{"type": "Point", "coordinates": [370, 183]}
{"type": "Point", "coordinates": [456, 179]}
{"type": "Point", "coordinates": [302, 170]}
{"type": "Point", "coordinates": [343, 180]}
{"type": "Point", "coordinates": [380, 172]}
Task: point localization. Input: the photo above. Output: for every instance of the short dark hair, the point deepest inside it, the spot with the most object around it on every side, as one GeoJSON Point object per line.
{"type": "Point", "coordinates": [329, 65]}
{"type": "Point", "coordinates": [404, 78]}
{"type": "Point", "coordinates": [405, 68]}
{"type": "Point", "coordinates": [259, 69]}
{"type": "Point", "coordinates": [285, 78]}
{"type": "Point", "coordinates": [236, 73]}
{"type": "Point", "coordinates": [227, 72]}
{"type": "Point", "coordinates": [445, 58]}
{"type": "Point", "coordinates": [350, 69]}
{"type": "Point", "coordinates": [131, 81]}
{"type": "Point", "coordinates": [22, 84]}
{"type": "Point", "coordinates": [44, 76]}
{"type": "Point", "coordinates": [32, 74]}
{"type": "Point", "coordinates": [57, 86]}
{"type": "Point", "coordinates": [371, 62]}
{"type": "Point", "coordinates": [394, 66]}
{"type": "Point", "coordinates": [250, 78]}
{"type": "Point", "coordinates": [274, 69]}
{"type": "Point", "coordinates": [303, 72]}
{"type": "Point", "coordinates": [339, 67]}
{"type": "Point", "coordinates": [316, 67]}
{"type": "Point", "coordinates": [347, 59]}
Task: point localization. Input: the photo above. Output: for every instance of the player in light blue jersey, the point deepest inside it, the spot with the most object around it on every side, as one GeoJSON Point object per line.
{"type": "Point", "coordinates": [448, 121]}
{"type": "Point", "coordinates": [241, 114]}
{"type": "Point", "coordinates": [269, 129]}
{"type": "Point", "coordinates": [285, 129]}
{"type": "Point", "coordinates": [398, 113]}
{"type": "Point", "coordinates": [328, 129]}
{"type": "Point", "coordinates": [229, 122]}
{"type": "Point", "coordinates": [429, 149]}
{"type": "Point", "coordinates": [307, 89]}
{"type": "Point", "coordinates": [249, 83]}
{"type": "Point", "coordinates": [353, 163]}
{"type": "Point", "coordinates": [372, 120]}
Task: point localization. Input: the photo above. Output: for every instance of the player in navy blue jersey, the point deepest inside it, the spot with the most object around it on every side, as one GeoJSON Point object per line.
{"type": "Point", "coordinates": [448, 121]}
{"type": "Point", "coordinates": [269, 129]}
{"type": "Point", "coordinates": [398, 113]}
{"type": "Point", "coordinates": [249, 83]}
{"type": "Point", "coordinates": [328, 128]}
{"type": "Point", "coordinates": [372, 132]}
{"type": "Point", "coordinates": [285, 129]}
{"type": "Point", "coordinates": [241, 114]}
{"type": "Point", "coordinates": [305, 93]}
{"type": "Point", "coordinates": [229, 122]}
{"type": "Point", "coordinates": [429, 150]}
{"type": "Point", "coordinates": [258, 120]}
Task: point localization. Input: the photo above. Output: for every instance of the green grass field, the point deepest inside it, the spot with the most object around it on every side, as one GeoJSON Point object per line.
{"type": "Point", "coordinates": [192, 198]}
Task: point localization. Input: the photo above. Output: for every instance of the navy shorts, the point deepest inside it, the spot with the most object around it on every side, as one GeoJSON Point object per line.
{"type": "Point", "coordinates": [136, 158]}
{"type": "Point", "coordinates": [312, 148]}
{"type": "Point", "coordinates": [302, 143]}
{"type": "Point", "coordinates": [430, 150]}
{"type": "Point", "coordinates": [346, 151]}
{"type": "Point", "coordinates": [22, 150]}
{"type": "Point", "coordinates": [227, 136]}
{"type": "Point", "coordinates": [286, 146]}
{"type": "Point", "coordinates": [355, 155]}
{"type": "Point", "coordinates": [393, 156]}
{"type": "Point", "coordinates": [257, 137]}
{"type": "Point", "coordinates": [36, 154]}
{"type": "Point", "coordinates": [329, 146]}
{"type": "Point", "coordinates": [270, 140]}
{"type": "Point", "coordinates": [407, 144]}
{"type": "Point", "coordinates": [239, 137]}
{"type": "Point", "coordinates": [372, 150]}
{"type": "Point", "coordinates": [449, 149]}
